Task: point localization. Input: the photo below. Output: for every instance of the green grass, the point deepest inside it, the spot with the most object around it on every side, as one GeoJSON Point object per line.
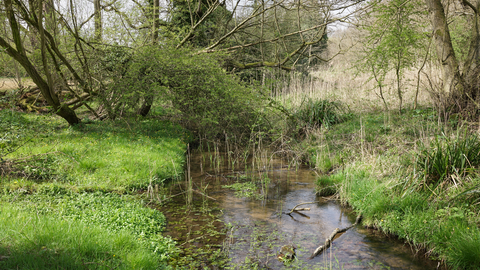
{"type": "Point", "coordinates": [447, 159]}
{"type": "Point", "coordinates": [59, 207]}
{"type": "Point", "coordinates": [123, 154]}
{"type": "Point", "coordinates": [30, 241]}
{"type": "Point", "coordinates": [328, 185]}
{"type": "Point", "coordinates": [108, 211]}
{"type": "Point", "coordinates": [316, 113]}
{"type": "Point", "coordinates": [448, 229]}
{"type": "Point", "coordinates": [378, 175]}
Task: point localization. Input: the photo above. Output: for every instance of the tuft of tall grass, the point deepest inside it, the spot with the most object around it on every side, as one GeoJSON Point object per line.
{"type": "Point", "coordinates": [317, 113]}
{"type": "Point", "coordinates": [465, 249]}
{"type": "Point", "coordinates": [328, 185]}
{"type": "Point", "coordinates": [448, 159]}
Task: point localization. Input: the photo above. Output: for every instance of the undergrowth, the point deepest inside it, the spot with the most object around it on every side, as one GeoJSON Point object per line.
{"type": "Point", "coordinates": [410, 177]}
{"type": "Point", "coordinates": [59, 202]}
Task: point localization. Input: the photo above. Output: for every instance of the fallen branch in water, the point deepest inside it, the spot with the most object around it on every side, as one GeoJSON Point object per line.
{"type": "Point", "coordinates": [329, 240]}
{"type": "Point", "coordinates": [300, 209]}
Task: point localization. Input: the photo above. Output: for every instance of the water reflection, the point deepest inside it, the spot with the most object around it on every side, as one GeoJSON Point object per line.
{"type": "Point", "coordinates": [258, 229]}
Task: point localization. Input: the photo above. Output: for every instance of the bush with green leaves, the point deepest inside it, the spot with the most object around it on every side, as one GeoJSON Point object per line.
{"type": "Point", "coordinates": [448, 159]}
{"type": "Point", "coordinates": [207, 99]}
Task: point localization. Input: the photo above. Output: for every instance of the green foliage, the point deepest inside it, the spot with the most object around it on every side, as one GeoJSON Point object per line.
{"type": "Point", "coordinates": [392, 41]}
{"type": "Point", "coordinates": [446, 159]}
{"type": "Point", "coordinates": [393, 38]}
{"type": "Point", "coordinates": [103, 210]}
{"type": "Point", "coordinates": [208, 100]}
{"type": "Point", "coordinates": [317, 113]}
{"type": "Point", "coordinates": [34, 241]}
{"type": "Point", "coordinates": [460, 33]}
{"type": "Point", "coordinates": [188, 13]}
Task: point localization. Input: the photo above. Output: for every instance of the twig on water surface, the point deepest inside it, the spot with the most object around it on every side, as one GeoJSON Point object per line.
{"type": "Point", "coordinates": [300, 209]}
{"type": "Point", "coordinates": [329, 240]}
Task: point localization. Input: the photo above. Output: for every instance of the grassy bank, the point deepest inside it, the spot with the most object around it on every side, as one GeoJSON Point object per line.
{"type": "Point", "coordinates": [409, 176]}
{"type": "Point", "coordinates": [68, 193]}
{"type": "Point", "coordinates": [108, 155]}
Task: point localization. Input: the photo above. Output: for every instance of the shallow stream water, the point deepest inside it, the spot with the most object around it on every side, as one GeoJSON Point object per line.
{"type": "Point", "coordinates": [257, 229]}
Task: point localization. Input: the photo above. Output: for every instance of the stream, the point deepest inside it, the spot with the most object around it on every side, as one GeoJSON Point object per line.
{"type": "Point", "coordinates": [256, 229]}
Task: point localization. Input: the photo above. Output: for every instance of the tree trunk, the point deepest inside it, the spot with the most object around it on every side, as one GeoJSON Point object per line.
{"type": "Point", "coordinates": [148, 101]}
{"type": "Point", "coordinates": [155, 21]}
{"type": "Point", "coordinates": [98, 21]}
{"type": "Point", "coordinates": [146, 106]}
{"type": "Point", "coordinates": [452, 79]}
{"type": "Point", "coordinates": [20, 56]}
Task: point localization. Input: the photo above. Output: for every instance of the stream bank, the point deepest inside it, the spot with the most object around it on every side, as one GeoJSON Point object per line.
{"type": "Point", "coordinates": [243, 227]}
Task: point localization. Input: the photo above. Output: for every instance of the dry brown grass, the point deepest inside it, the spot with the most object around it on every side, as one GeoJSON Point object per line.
{"type": "Point", "coordinates": [8, 84]}
{"type": "Point", "coordinates": [337, 81]}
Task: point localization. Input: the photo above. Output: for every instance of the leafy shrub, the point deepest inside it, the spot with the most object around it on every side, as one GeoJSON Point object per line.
{"type": "Point", "coordinates": [445, 158]}
{"type": "Point", "coordinates": [207, 99]}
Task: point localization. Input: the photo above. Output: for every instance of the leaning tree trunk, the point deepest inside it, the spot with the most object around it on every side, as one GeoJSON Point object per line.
{"type": "Point", "coordinates": [18, 54]}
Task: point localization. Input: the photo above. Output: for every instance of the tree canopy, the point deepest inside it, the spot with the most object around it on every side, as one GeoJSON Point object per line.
{"type": "Point", "coordinates": [86, 48]}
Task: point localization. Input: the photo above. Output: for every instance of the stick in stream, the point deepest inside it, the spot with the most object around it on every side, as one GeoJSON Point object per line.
{"type": "Point", "coordinates": [329, 240]}
{"type": "Point", "coordinates": [300, 209]}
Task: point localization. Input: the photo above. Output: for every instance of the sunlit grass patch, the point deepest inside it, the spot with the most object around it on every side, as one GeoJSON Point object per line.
{"type": "Point", "coordinates": [107, 211]}
{"type": "Point", "coordinates": [33, 241]}
{"type": "Point", "coordinates": [120, 154]}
